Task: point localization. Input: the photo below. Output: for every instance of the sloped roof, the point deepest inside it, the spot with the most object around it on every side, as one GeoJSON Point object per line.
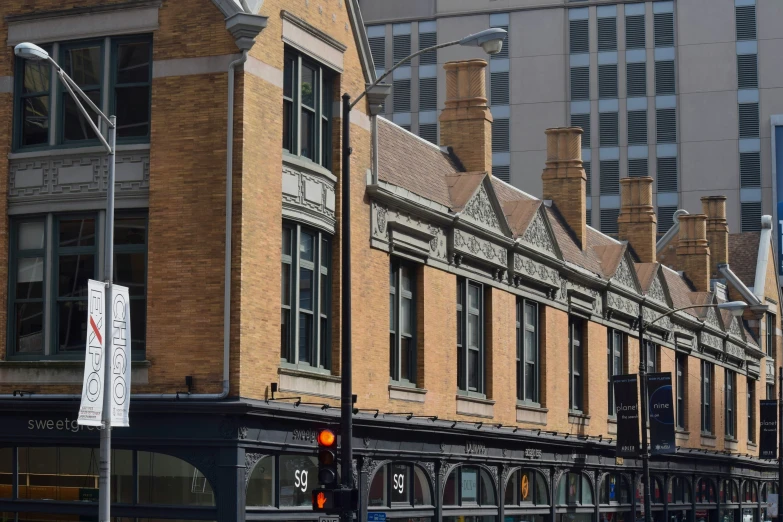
{"type": "Point", "coordinates": [743, 255]}
{"type": "Point", "coordinates": [646, 273]}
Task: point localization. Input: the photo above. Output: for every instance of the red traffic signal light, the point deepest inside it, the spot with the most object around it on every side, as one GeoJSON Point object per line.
{"type": "Point", "coordinates": [327, 460]}
{"type": "Point", "coordinates": [326, 438]}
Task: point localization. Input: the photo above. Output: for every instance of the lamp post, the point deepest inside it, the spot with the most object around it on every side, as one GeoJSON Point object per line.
{"type": "Point", "coordinates": [736, 308]}
{"type": "Point", "coordinates": [29, 51]}
{"type": "Point", "coordinates": [491, 40]}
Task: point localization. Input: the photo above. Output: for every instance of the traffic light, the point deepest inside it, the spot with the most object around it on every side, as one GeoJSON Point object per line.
{"type": "Point", "coordinates": [327, 459]}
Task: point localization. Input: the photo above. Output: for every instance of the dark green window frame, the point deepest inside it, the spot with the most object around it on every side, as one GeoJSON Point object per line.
{"type": "Point", "coordinates": [20, 99]}
{"type": "Point", "coordinates": [402, 341]}
{"type": "Point", "coordinates": [57, 91]}
{"type": "Point", "coordinates": [295, 109]}
{"type": "Point", "coordinates": [615, 354]}
{"type": "Point", "coordinates": [528, 367]}
{"type": "Point", "coordinates": [471, 352]}
{"type": "Point", "coordinates": [24, 303]}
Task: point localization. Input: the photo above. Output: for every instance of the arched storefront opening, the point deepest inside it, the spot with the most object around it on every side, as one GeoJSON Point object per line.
{"type": "Point", "coordinates": [729, 501]}
{"type": "Point", "coordinates": [62, 484]}
{"type": "Point", "coordinates": [575, 500]}
{"type": "Point", "coordinates": [402, 491]}
{"type": "Point", "coordinates": [470, 496]}
{"type": "Point", "coordinates": [680, 498]}
{"type": "Point", "coordinates": [750, 501]}
{"type": "Point", "coordinates": [526, 498]}
{"type": "Point", "coordinates": [706, 501]}
{"type": "Point", "coordinates": [656, 495]}
{"type": "Point", "coordinates": [614, 499]}
{"type": "Point", "coordinates": [282, 482]}
{"type": "Point", "coordinates": [766, 489]}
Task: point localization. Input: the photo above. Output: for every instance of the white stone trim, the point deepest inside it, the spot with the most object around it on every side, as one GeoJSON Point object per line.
{"type": "Point", "coordinates": [296, 35]}
{"type": "Point", "coordinates": [58, 372]}
{"type": "Point", "coordinates": [475, 407]}
{"type": "Point", "coordinates": [190, 66]}
{"type": "Point", "coordinates": [296, 381]}
{"type": "Point", "coordinates": [264, 71]}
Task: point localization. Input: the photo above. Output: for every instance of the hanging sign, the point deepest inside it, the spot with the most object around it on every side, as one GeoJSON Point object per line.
{"type": "Point", "coordinates": [661, 412]}
{"type": "Point", "coordinates": [627, 411]}
{"type": "Point", "coordinates": [120, 356]}
{"type": "Point", "coordinates": [768, 414]}
{"type": "Point", "coordinates": [91, 407]}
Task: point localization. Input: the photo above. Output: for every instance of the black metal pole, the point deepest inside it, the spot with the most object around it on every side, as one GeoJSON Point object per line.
{"type": "Point", "coordinates": [346, 411]}
{"type": "Point", "coordinates": [780, 432]}
{"type": "Point", "coordinates": [645, 420]}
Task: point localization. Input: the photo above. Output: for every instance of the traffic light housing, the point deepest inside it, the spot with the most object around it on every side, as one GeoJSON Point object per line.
{"type": "Point", "coordinates": [333, 501]}
{"type": "Point", "coordinates": [327, 460]}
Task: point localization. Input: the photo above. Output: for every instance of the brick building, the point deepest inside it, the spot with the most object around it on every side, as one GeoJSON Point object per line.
{"type": "Point", "coordinates": [508, 315]}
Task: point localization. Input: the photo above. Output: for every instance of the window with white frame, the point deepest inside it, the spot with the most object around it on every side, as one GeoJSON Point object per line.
{"type": "Point", "coordinates": [527, 351]}
{"type": "Point", "coordinates": [730, 395]}
{"type": "Point", "coordinates": [470, 336]}
{"type": "Point", "coordinates": [402, 321]}
{"type": "Point", "coordinates": [575, 363]}
{"type": "Point", "coordinates": [706, 397]}
{"type": "Point", "coordinates": [307, 109]}
{"type": "Point", "coordinates": [306, 297]}
{"type": "Point", "coordinates": [128, 62]}
{"type": "Point", "coordinates": [614, 355]}
{"type": "Point", "coordinates": [52, 258]}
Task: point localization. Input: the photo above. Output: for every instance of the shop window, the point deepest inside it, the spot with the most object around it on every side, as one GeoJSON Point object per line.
{"type": "Point", "coordinates": [70, 242]}
{"type": "Point", "coordinates": [705, 492]}
{"type": "Point", "coordinates": [306, 297]}
{"type": "Point", "coordinates": [729, 493]}
{"type": "Point", "coordinates": [656, 491]}
{"type": "Point", "coordinates": [750, 492]}
{"type": "Point", "coordinates": [470, 489]}
{"type": "Point", "coordinates": [261, 484]}
{"type": "Point", "coordinates": [71, 474]}
{"type": "Point", "coordinates": [130, 76]}
{"type": "Point", "coordinates": [6, 472]}
{"type": "Point", "coordinates": [399, 485]}
{"type": "Point", "coordinates": [574, 489]}
{"type": "Point", "coordinates": [679, 490]}
{"type": "Point", "coordinates": [296, 476]}
{"type": "Point", "coordinates": [615, 490]}
{"type": "Point", "coordinates": [307, 109]}
{"type": "Point", "coordinates": [164, 479]}
{"type": "Point", "coordinates": [526, 488]}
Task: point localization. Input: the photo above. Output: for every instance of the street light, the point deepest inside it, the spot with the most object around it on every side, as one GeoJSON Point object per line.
{"type": "Point", "coordinates": [30, 51]}
{"type": "Point", "coordinates": [736, 308]}
{"type": "Point", "coordinates": [491, 41]}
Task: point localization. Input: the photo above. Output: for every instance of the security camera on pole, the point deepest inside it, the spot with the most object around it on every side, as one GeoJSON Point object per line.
{"type": "Point", "coordinates": [107, 365]}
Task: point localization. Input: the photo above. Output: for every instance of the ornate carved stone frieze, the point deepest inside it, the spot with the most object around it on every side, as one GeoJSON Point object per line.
{"type": "Point", "coordinates": [429, 467]}
{"type": "Point", "coordinates": [713, 341]}
{"type": "Point", "coordinates": [623, 275]}
{"type": "Point", "coordinates": [480, 210]}
{"type": "Point", "coordinates": [663, 324]}
{"type": "Point", "coordinates": [584, 298]}
{"type": "Point", "coordinates": [712, 319]}
{"type": "Point", "coordinates": [478, 248]}
{"type": "Point", "coordinates": [735, 351]}
{"type": "Point", "coordinates": [538, 236]}
{"type": "Point", "coordinates": [734, 328]}
{"type": "Point", "coordinates": [623, 305]}
{"type": "Point", "coordinates": [656, 291]}
{"type": "Point", "coordinates": [251, 459]}
{"type": "Point", "coordinates": [538, 274]}
{"type": "Point", "coordinates": [308, 196]}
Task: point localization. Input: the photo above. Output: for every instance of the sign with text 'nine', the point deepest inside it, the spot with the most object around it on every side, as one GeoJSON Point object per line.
{"type": "Point", "coordinates": [91, 406]}
{"type": "Point", "coordinates": [120, 356]}
{"type": "Point", "coordinates": [99, 350]}
{"type": "Point", "coordinates": [661, 413]}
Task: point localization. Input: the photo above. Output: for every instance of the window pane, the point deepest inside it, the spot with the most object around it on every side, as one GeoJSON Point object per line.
{"type": "Point", "coordinates": [405, 358]}
{"type": "Point", "coordinates": [309, 77]}
{"type": "Point", "coordinates": [529, 382]}
{"type": "Point", "coordinates": [31, 235]}
{"type": "Point", "coordinates": [75, 127]}
{"type": "Point", "coordinates": [306, 246]}
{"type": "Point", "coordinates": [36, 76]}
{"type": "Point", "coordinates": [164, 479]}
{"type": "Point", "coordinates": [260, 485]}
{"type": "Point", "coordinates": [298, 477]}
{"type": "Point", "coordinates": [74, 271]}
{"type": "Point", "coordinates": [473, 297]}
{"type": "Point", "coordinates": [530, 347]}
{"type": "Point", "coordinates": [6, 472]}
{"type": "Point", "coordinates": [377, 493]}
{"type": "Point", "coordinates": [130, 231]}
{"type": "Point", "coordinates": [288, 116]}
{"type": "Point", "coordinates": [469, 485]}
{"type": "Point", "coordinates": [138, 324]}
{"type": "Point", "coordinates": [83, 65]}
{"type": "Point", "coordinates": [307, 134]}
{"type": "Point", "coordinates": [133, 62]}
{"type": "Point", "coordinates": [285, 284]}
{"type": "Point", "coordinates": [72, 323]}
{"type": "Point", "coordinates": [130, 271]}
{"type": "Point", "coordinates": [77, 232]}
{"type": "Point", "coordinates": [324, 289]}
{"type": "Point", "coordinates": [35, 120]}
{"type": "Point", "coordinates": [473, 369]}
{"type": "Point", "coordinates": [305, 336]}
{"type": "Point", "coordinates": [132, 108]}
{"type": "Point", "coordinates": [287, 232]}
{"type": "Point", "coordinates": [405, 323]}
{"type": "Point", "coordinates": [400, 483]}
{"type": "Point", "coordinates": [406, 279]}
{"type": "Point", "coordinates": [305, 289]}
{"type": "Point", "coordinates": [29, 278]}
{"type": "Point", "coordinates": [29, 328]}
{"type": "Point", "coordinates": [473, 331]}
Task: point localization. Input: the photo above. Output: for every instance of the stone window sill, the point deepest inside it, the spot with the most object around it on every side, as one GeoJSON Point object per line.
{"type": "Point", "coordinates": [531, 414]}
{"type": "Point", "coordinates": [578, 418]}
{"type": "Point", "coordinates": [611, 425]}
{"type": "Point", "coordinates": [57, 150]}
{"type": "Point", "coordinates": [311, 166]}
{"type": "Point", "coordinates": [730, 444]}
{"type": "Point", "coordinates": [752, 445]}
{"type": "Point", "coordinates": [406, 393]}
{"type": "Point", "coordinates": [309, 383]}
{"type": "Point", "coordinates": [475, 407]}
{"type": "Point", "coordinates": [682, 434]}
{"type": "Point", "coordinates": [59, 372]}
{"type": "Point", "coordinates": [709, 440]}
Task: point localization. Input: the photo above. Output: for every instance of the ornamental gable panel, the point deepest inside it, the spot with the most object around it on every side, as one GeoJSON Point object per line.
{"type": "Point", "coordinates": [657, 291]}
{"type": "Point", "coordinates": [539, 236]}
{"type": "Point", "coordinates": [735, 351]}
{"type": "Point", "coordinates": [532, 273]}
{"type": "Point", "coordinates": [624, 275]}
{"type": "Point", "coordinates": [483, 210]}
{"type": "Point", "coordinates": [713, 320]}
{"type": "Point", "coordinates": [399, 230]}
{"type": "Point", "coordinates": [735, 329]}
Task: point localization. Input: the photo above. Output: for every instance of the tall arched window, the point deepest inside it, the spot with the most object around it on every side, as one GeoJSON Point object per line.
{"type": "Point", "coordinates": [470, 492]}
{"type": "Point", "coordinates": [574, 498]}
{"type": "Point", "coordinates": [399, 486]}
{"type": "Point", "coordinates": [679, 498]}
{"type": "Point", "coordinates": [526, 497]}
{"type": "Point", "coordinates": [705, 491]}
{"type": "Point", "coordinates": [750, 492]}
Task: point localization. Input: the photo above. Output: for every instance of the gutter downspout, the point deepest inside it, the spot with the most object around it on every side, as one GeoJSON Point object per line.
{"type": "Point", "coordinates": [227, 274]}
{"type": "Point", "coordinates": [765, 239]}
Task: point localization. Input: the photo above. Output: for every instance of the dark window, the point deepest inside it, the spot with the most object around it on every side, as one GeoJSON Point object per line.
{"type": "Point", "coordinates": [83, 62]}
{"type": "Point", "coordinates": [575, 361]}
{"type": "Point", "coordinates": [378, 51]}
{"type": "Point", "coordinates": [427, 40]}
{"type": "Point", "coordinates": [666, 125]}
{"type": "Point", "coordinates": [609, 131]}
{"type": "Point", "coordinates": [428, 94]}
{"type": "Point", "coordinates": [706, 397]}
{"type": "Point", "coordinates": [130, 269]}
{"type": "Point", "coordinates": [614, 490]}
{"type": "Point", "coordinates": [610, 177]}
{"type": "Point", "coordinates": [583, 121]}
{"type": "Point", "coordinates": [132, 81]}
{"type": "Point", "coordinates": [401, 47]}
{"type": "Point", "coordinates": [401, 95]}
{"type": "Point", "coordinates": [33, 84]}
{"type": "Point", "coordinates": [470, 336]}
{"type": "Point", "coordinates": [527, 488]}
{"type": "Point", "coordinates": [638, 167]}
{"type": "Point", "coordinates": [614, 355]}
{"type": "Point", "coordinates": [750, 216]}
{"type": "Point", "coordinates": [76, 248]}
{"type": "Point", "coordinates": [527, 351]}
{"type": "Point", "coordinates": [28, 254]}
{"type": "Point", "coordinates": [751, 408]}
{"type": "Point", "coordinates": [730, 394]}
{"type": "Point", "coordinates": [580, 83]}
{"type": "Point", "coordinates": [770, 335]}
{"type": "Point", "coordinates": [499, 89]}
{"type": "Point", "coordinates": [501, 135]}
{"type": "Point", "coordinates": [749, 120]}
{"type": "Point", "coordinates": [680, 490]}
{"type": "Point", "coordinates": [307, 108]}
{"type": "Point", "coordinates": [402, 321]}
{"type": "Point", "coordinates": [607, 81]}
{"type": "Point", "coordinates": [682, 382]}
{"type": "Point", "coordinates": [663, 29]}
{"type": "Point", "coordinates": [608, 223]}
{"type": "Point", "coordinates": [664, 78]}
{"type": "Point", "coordinates": [747, 71]}
{"type": "Point", "coordinates": [651, 356]}
{"type": "Point", "coordinates": [306, 297]}
{"type": "Point", "coordinates": [468, 486]}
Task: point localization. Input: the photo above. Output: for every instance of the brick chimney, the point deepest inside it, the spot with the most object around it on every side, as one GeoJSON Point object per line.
{"type": "Point", "coordinates": [564, 177]}
{"type": "Point", "coordinates": [466, 123]}
{"type": "Point", "coordinates": [693, 251]}
{"type": "Point", "coordinates": [717, 230]}
{"type": "Point", "coordinates": [637, 218]}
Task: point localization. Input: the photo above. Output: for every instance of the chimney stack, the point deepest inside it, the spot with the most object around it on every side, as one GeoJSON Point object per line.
{"type": "Point", "coordinates": [693, 251]}
{"type": "Point", "coordinates": [637, 222]}
{"type": "Point", "coordinates": [564, 178]}
{"type": "Point", "coordinates": [717, 230]}
{"type": "Point", "coordinates": [465, 122]}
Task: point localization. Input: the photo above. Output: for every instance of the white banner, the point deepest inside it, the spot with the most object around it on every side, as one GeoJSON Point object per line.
{"type": "Point", "coordinates": [91, 406]}
{"type": "Point", "coordinates": [120, 356]}
{"type": "Point", "coordinates": [772, 505]}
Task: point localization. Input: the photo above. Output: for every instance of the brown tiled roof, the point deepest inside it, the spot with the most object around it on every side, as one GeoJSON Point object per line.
{"type": "Point", "coordinates": [743, 255]}
{"type": "Point", "coordinates": [680, 290]}
{"type": "Point", "coordinates": [646, 274]}
{"type": "Point", "coordinates": [520, 213]}
{"type": "Point", "coordinates": [462, 186]}
{"type": "Point", "coordinates": [506, 192]}
{"type": "Point", "coordinates": [407, 161]}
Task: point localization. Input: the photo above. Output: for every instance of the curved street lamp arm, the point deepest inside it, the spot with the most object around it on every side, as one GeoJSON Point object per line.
{"type": "Point", "coordinates": [667, 314]}
{"type": "Point", "coordinates": [68, 81]}
{"type": "Point", "coordinates": [401, 62]}
{"type": "Point", "coordinates": [84, 112]}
